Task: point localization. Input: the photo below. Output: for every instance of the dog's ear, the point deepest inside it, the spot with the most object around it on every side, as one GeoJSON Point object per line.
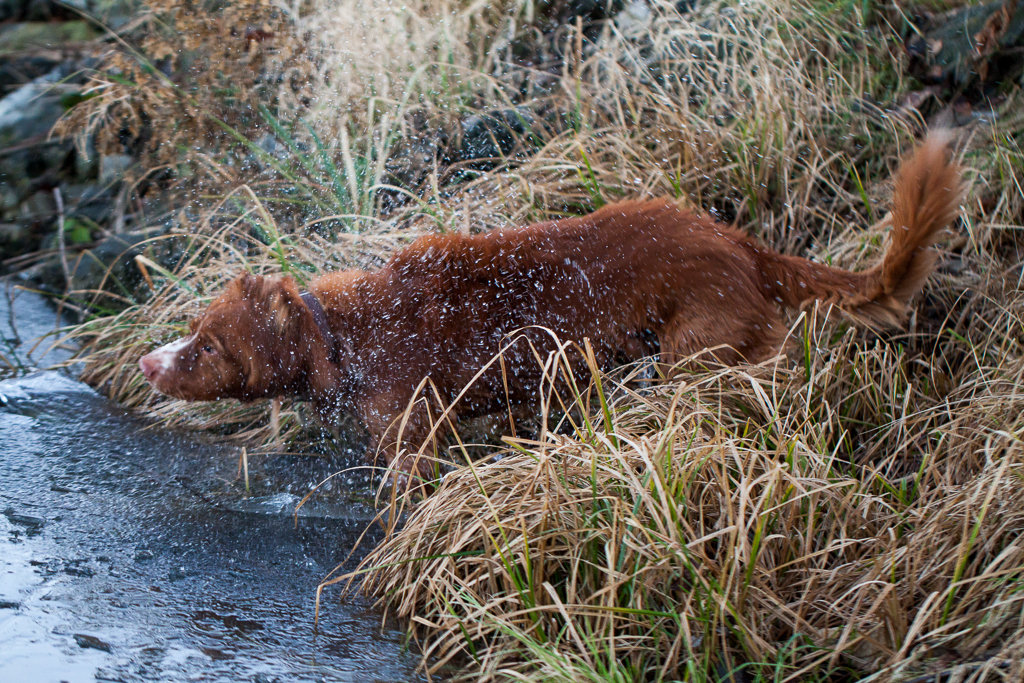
{"type": "Point", "coordinates": [284, 304]}
{"type": "Point", "coordinates": [245, 284]}
{"type": "Point", "coordinates": [279, 313]}
{"type": "Point", "coordinates": [278, 310]}
{"type": "Point", "coordinates": [276, 298]}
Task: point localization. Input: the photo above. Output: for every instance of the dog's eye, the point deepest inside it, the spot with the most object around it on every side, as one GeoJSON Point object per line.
{"type": "Point", "coordinates": [207, 349]}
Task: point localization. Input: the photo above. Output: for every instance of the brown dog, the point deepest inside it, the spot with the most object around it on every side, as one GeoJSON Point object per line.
{"type": "Point", "coordinates": [623, 277]}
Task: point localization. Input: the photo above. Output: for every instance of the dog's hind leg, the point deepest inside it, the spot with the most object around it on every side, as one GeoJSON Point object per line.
{"type": "Point", "coordinates": [747, 331]}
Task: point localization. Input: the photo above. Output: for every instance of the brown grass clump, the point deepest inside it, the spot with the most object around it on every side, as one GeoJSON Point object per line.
{"type": "Point", "coordinates": [195, 74]}
{"type": "Point", "coordinates": [851, 510]}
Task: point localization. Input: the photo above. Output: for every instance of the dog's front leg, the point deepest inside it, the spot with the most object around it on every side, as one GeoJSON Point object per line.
{"type": "Point", "coordinates": [397, 444]}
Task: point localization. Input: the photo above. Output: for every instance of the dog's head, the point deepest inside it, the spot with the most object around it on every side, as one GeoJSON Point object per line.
{"type": "Point", "coordinates": [252, 342]}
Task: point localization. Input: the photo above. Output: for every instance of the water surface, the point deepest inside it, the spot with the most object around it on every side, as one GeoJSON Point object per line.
{"type": "Point", "coordinates": [132, 553]}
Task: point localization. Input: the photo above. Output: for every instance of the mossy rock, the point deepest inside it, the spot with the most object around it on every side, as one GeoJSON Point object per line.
{"type": "Point", "coordinates": [953, 40]}
{"type": "Point", "coordinates": [104, 9]}
{"type": "Point", "coordinates": [31, 35]}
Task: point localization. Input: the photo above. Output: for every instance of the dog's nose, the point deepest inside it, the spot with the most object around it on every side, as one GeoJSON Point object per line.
{"type": "Point", "coordinates": [149, 366]}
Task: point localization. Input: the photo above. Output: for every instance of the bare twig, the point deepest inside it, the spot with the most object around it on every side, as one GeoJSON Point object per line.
{"type": "Point", "coordinates": [9, 290]}
{"type": "Point", "coordinates": [60, 239]}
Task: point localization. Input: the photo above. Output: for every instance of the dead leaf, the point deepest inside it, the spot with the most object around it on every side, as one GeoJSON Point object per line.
{"type": "Point", "coordinates": [986, 41]}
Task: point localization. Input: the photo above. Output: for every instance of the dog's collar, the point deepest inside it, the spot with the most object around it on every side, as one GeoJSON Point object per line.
{"type": "Point", "coordinates": [320, 317]}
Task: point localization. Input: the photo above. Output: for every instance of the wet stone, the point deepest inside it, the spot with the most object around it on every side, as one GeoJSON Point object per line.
{"type": "Point", "coordinates": [113, 258]}
{"type": "Point", "coordinates": [91, 642]}
{"type": "Point", "coordinates": [952, 266]}
{"type": "Point", "coordinates": [217, 655]}
{"type": "Point", "coordinates": [144, 555]}
{"type": "Point", "coordinates": [18, 70]}
{"type": "Point", "coordinates": [9, 604]}
{"type": "Point", "coordinates": [113, 166]}
{"type": "Point", "coordinates": [494, 135]}
{"type": "Point", "coordinates": [29, 521]}
{"type": "Point", "coordinates": [104, 676]}
{"type": "Point", "coordinates": [78, 568]}
{"type": "Point", "coordinates": [949, 48]}
{"type": "Point", "coordinates": [44, 34]}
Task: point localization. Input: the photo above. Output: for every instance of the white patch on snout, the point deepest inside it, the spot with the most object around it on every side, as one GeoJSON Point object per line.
{"type": "Point", "coordinates": [167, 354]}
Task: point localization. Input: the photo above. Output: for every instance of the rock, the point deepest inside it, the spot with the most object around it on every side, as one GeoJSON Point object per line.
{"type": "Point", "coordinates": [8, 198]}
{"type": "Point", "coordinates": [20, 231]}
{"type": "Point", "coordinates": [635, 19]}
{"type": "Point", "coordinates": [76, 569]}
{"type": "Point", "coordinates": [29, 521]}
{"type": "Point", "coordinates": [46, 567]}
{"type": "Point", "coordinates": [40, 10]}
{"type": "Point", "coordinates": [91, 642]}
{"type": "Point", "coordinates": [32, 165]}
{"type": "Point", "coordinates": [557, 12]}
{"type": "Point", "coordinates": [115, 13]}
{"type": "Point", "coordinates": [16, 238]}
{"type": "Point", "coordinates": [13, 233]}
{"type": "Point", "coordinates": [32, 35]}
{"type": "Point", "coordinates": [31, 110]}
{"type": "Point", "coordinates": [87, 167]}
{"type": "Point", "coordinates": [48, 10]}
{"type": "Point", "coordinates": [9, 604]}
{"type": "Point", "coordinates": [107, 264]}
{"type": "Point", "coordinates": [273, 147]}
{"type": "Point", "coordinates": [949, 49]}
{"type": "Point", "coordinates": [724, 674]}
{"type": "Point", "coordinates": [39, 206]}
{"type": "Point", "coordinates": [415, 155]}
{"type": "Point", "coordinates": [92, 202]}
{"type": "Point", "coordinates": [489, 137]}
{"type": "Point", "coordinates": [113, 166]}
{"type": "Point", "coordinates": [12, 10]}
{"type": "Point", "coordinates": [17, 70]}
{"type": "Point", "coordinates": [111, 263]}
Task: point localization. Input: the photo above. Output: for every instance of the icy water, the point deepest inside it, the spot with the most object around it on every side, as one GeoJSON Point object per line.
{"type": "Point", "coordinates": [130, 553]}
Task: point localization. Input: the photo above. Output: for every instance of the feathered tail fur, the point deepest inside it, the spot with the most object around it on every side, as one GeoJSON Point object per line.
{"type": "Point", "coordinates": [928, 191]}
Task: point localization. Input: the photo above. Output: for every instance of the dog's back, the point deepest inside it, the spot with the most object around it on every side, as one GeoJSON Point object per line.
{"type": "Point", "coordinates": [628, 273]}
{"type": "Point", "coordinates": [620, 277]}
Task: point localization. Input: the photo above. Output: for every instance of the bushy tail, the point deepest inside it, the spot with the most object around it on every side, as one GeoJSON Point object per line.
{"type": "Point", "coordinates": [928, 192]}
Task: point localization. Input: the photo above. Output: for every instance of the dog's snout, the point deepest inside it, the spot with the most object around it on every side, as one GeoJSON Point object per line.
{"type": "Point", "coordinates": [149, 366]}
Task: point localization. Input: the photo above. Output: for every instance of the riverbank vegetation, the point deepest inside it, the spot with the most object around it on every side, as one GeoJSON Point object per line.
{"type": "Point", "coordinates": [850, 510]}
